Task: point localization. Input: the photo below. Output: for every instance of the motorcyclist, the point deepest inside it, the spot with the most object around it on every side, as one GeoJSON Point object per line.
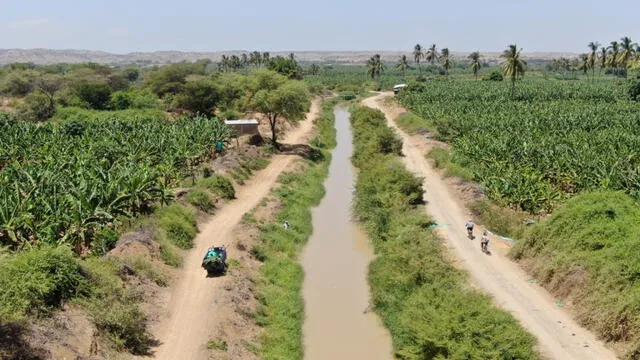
{"type": "Point", "coordinates": [484, 241]}
{"type": "Point", "coordinates": [469, 225]}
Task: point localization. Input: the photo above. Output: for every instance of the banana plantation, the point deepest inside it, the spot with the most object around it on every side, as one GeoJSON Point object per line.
{"type": "Point", "coordinates": [534, 145]}
{"type": "Point", "coordinates": [68, 182]}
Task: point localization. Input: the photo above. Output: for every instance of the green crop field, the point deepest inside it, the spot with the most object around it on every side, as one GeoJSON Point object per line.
{"type": "Point", "coordinates": [533, 145]}
{"type": "Point", "coordinates": [63, 182]}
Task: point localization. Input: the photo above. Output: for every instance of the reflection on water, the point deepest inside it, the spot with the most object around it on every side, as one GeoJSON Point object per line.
{"type": "Point", "coordinates": [335, 289]}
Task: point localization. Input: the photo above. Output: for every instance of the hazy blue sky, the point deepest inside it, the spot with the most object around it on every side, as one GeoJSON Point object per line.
{"type": "Point", "coordinates": [192, 25]}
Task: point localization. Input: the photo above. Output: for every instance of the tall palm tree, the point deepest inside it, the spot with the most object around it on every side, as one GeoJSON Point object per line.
{"type": "Point", "coordinates": [613, 58]}
{"type": "Point", "coordinates": [513, 66]}
{"type": "Point", "coordinates": [593, 46]}
{"type": "Point", "coordinates": [432, 54]}
{"type": "Point", "coordinates": [266, 56]}
{"type": "Point", "coordinates": [627, 47]}
{"type": "Point", "coordinates": [375, 66]}
{"type": "Point", "coordinates": [403, 65]}
{"type": "Point", "coordinates": [417, 55]}
{"type": "Point", "coordinates": [446, 61]}
{"type": "Point", "coordinates": [475, 63]}
{"type": "Point", "coordinates": [603, 58]}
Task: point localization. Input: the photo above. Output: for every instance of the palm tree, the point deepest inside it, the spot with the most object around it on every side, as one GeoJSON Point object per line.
{"type": "Point", "coordinates": [446, 61]}
{"type": "Point", "coordinates": [475, 63]}
{"type": "Point", "coordinates": [603, 58]}
{"type": "Point", "coordinates": [403, 65]}
{"type": "Point", "coordinates": [593, 46]}
{"type": "Point", "coordinates": [584, 63]}
{"type": "Point", "coordinates": [375, 67]}
{"type": "Point", "coordinates": [432, 54]}
{"type": "Point", "coordinates": [417, 55]}
{"type": "Point", "coordinates": [627, 51]}
{"type": "Point", "coordinates": [513, 66]}
{"type": "Point", "coordinates": [266, 56]}
{"type": "Point", "coordinates": [613, 59]}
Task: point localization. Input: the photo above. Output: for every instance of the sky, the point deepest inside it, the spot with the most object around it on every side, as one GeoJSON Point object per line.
{"type": "Point", "coordinates": [123, 26]}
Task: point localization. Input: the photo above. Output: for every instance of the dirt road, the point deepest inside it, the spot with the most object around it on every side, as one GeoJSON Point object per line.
{"type": "Point", "coordinates": [192, 311]}
{"type": "Point", "coordinates": [559, 336]}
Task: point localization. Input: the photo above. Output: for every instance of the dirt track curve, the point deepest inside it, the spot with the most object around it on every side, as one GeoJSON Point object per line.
{"type": "Point", "coordinates": [192, 307]}
{"type": "Point", "coordinates": [559, 336]}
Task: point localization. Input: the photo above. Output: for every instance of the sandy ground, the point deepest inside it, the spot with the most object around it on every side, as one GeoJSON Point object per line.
{"type": "Point", "coordinates": [192, 312]}
{"type": "Point", "coordinates": [559, 336]}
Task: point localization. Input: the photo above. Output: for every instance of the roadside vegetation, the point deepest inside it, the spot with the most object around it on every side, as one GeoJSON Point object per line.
{"type": "Point", "coordinates": [561, 148]}
{"type": "Point", "coordinates": [425, 302]}
{"type": "Point", "coordinates": [281, 310]}
{"type": "Point", "coordinates": [586, 253]}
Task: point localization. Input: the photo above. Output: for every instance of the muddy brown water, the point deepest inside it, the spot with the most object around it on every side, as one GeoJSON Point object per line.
{"type": "Point", "coordinates": [338, 323]}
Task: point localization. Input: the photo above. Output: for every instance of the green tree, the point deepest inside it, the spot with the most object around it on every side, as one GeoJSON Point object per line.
{"type": "Point", "coordinates": [37, 107]}
{"type": "Point", "coordinates": [627, 47]}
{"type": "Point", "coordinates": [95, 94]}
{"type": "Point", "coordinates": [375, 66]}
{"type": "Point", "coordinates": [584, 63]}
{"type": "Point", "coordinates": [314, 69]}
{"type": "Point", "coordinates": [418, 54]}
{"type": "Point", "coordinates": [131, 73]}
{"type": "Point", "coordinates": [593, 46]}
{"type": "Point", "coordinates": [513, 67]}
{"type": "Point", "coordinates": [403, 65]}
{"type": "Point", "coordinates": [198, 97]}
{"type": "Point", "coordinates": [446, 60]}
{"type": "Point", "coordinates": [614, 48]}
{"type": "Point", "coordinates": [286, 66]}
{"type": "Point", "coordinates": [475, 64]}
{"type": "Point", "coordinates": [290, 101]}
{"type": "Point", "coordinates": [603, 58]}
{"type": "Point", "coordinates": [432, 54]}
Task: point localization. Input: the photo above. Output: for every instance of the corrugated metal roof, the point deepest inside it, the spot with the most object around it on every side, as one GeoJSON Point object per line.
{"type": "Point", "coordinates": [242, 122]}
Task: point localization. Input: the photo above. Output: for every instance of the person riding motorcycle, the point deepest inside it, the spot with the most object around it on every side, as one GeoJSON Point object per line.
{"type": "Point", "coordinates": [484, 242]}
{"type": "Point", "coordinates": [469, 225]}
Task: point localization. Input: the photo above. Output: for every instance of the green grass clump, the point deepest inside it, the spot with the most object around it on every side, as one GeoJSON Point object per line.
{"type": "Point", "coordinates": [169, 252]}
{"type": "Point", "coordinates": [426, 303]}
{"type": "Point", "coordinates": [179, 224]}
{"type": "Point", "coordinates": [37, 280]}
{"type": "Point", "coordinates": [220, 185]}
{"type": "Point", "coordinates": [145, 268]}
{"type": "Point", "coordinates": [413, 124]}
{"type": "Point", "coordinates": [201, 199]}
{"type": "Point", "coordinates": [587, 251]}
{"type": "Point", "coordinates": [443, 159]}
{"type": "Point", "coordinates": [502, 221]}
{"type": "Point", "coordinates": [281, 310]}
{"type": "Point", "coordinates": [215, 344]}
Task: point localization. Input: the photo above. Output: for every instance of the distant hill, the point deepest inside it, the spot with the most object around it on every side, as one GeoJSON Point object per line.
{"type": "Point", "coordinates": [47, 56]}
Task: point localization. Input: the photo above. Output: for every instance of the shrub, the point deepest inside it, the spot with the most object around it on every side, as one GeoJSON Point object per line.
{"type": "Point", "coordinates": [125, 323]}
{"type": "Point", "coordinates": [95, 95]}
{"type": "Point", "coordinates": [348, 95]}
{"type": "Point", "coordinates": [36, 280]}
{"type": "Point", "coordinates": [220, 185]}
{"type": "Point", "coordinates": [634, 90]}
{"type": "Point", "coordinates": [179, 223]}
{"type": "Point", "coordinates": [120, 100]}
{"type": "Point", "coordinates": [168, 251]}
{"type": "Point", "coordinates": [201, 199]}
{"type": "Point", "coordinates": [495, 75]}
